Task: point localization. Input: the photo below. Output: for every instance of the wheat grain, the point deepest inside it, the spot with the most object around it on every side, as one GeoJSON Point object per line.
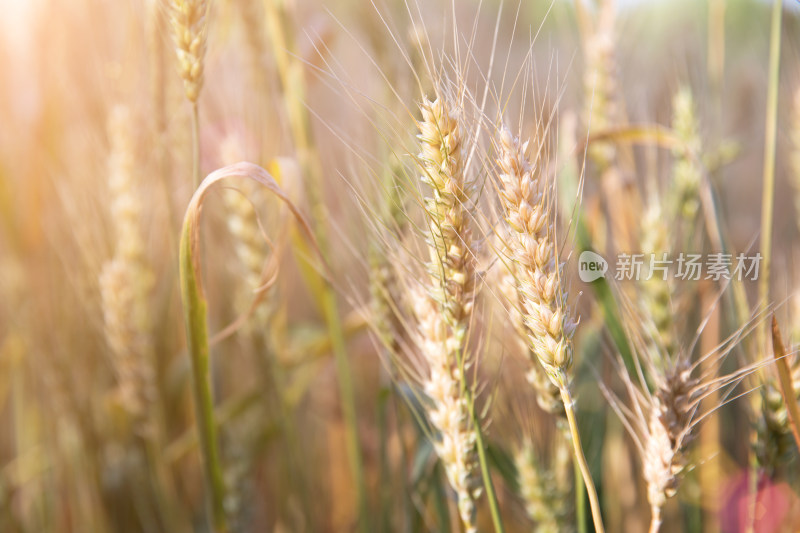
{"type": "Point", "coordinates": [667, 437]}
{"type": "Point", "coordinates": [547, 394]}
{"type": "Point", "coordinates": [774, 441]}
{"type": "Point", "coordinates": [189, 22]}
{"type": "Point", "coordinates": [452, 265]}
{"type": "Point", "coordinates": [664, 423]}
{"type": "Point", "coordinates": [449, 412]}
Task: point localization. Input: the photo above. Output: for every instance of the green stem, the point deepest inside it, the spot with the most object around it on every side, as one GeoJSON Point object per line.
{"type": "Point", "coordinates": [290, 72]}
{"type": "Point", "coordinates": [197, 339]}
{"type": "Point", "coordinates": [768, 193]}
{"type": "Point", "coordinates": [580, 458]}
{"type": "Point", "coordinates": [486, 474]}
{"type": "Point", "coordinates": [491, 496]}
{"type": "Point", "coordinates": [580, 500]}
{"type": "Point", "coordinates": [195, 147]}
{"type": "Point", "coordinates": [344, 377]}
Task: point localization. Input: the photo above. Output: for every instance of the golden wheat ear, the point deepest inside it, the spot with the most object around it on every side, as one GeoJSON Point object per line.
{"type": "Point", "coordinates": [189, 22]}
{"type": "Point", "coordinates": [443, 310]}
{"type": "Point", "coordinates": [545, 488]}
{"type": "Point", "coordinates": [126, 282]}
{"type": "Point", "coordinates": [529, 218]}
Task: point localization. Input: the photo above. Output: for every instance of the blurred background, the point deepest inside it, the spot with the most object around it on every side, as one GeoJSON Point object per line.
{"type": "Point", "coordinates": [96, 419]}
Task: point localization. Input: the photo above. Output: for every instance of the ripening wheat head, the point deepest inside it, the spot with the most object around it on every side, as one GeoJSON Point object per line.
{"type": "Point", "coordinates": [687, 175]}
{"type": "Point", "coordinates": [548, 396]}
{"type": "Point", "coordinates": [189, 22]}
{"type": "Point", "coordinates": [657, 292]}
{"type": "Point", "coordinates": [126, 279]}
{"type": "Point", "coordinates": [545, 487]}
{"type": "Point", "coordinates": [443, 308]}
{"type": "Point", "coordinates": [668, 435]}
{"type": "Point", "coordinates": [774, 448]}
{"type": "Point", "coordinates": [452, 264]}
{"type": "Point", "coordinates": [662, 418]}
{"type": "Point", "coordinates": [600, 80]}
{"type": "Point", "coordinates": [524, 196]}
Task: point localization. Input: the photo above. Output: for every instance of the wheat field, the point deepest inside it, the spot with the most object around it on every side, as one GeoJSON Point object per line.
{"type": "Point", "coordinates": [399, 266]}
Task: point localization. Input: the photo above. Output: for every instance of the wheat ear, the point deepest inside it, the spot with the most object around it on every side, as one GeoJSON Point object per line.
{"type": "Point", "coordinates": [668, 434]}
{"type": "Point", "coordinates": [524, 197]}
{"type": "Point", "coordinates": [663, 423]}
{"type": "Point", "coordinates": [548, 396]}
{"type": "Point", "coordinates": [545, 489]}
{"type": "Point", "coordinates": [600, 81]}
{"type": "Point", "coordinates": [189, 22]}
{"type": "Point", "coordinates": [126, 280]}
{"type": "Point", "coordinates": [656, 292]}
{"type": "Point", "coordinates": [774, 443]}
{"type": "Point", "coordinates": [443, 310]}
{"type": "Point", "coordinates": [686, 174]}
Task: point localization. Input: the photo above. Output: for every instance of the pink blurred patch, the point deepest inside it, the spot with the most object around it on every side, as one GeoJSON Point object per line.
{"type": "Point", "coordinates": [773, 503]}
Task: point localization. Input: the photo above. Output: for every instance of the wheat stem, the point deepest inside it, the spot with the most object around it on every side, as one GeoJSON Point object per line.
{"type": "Point", "coordinates": [488, 485]}
{"type": "Point", "coordinates": [195, 146]}
{"type": "Point", "coordinates": [655, 519]}
{"type": "Point", "coordinates": [197, 339]}
{"type": "Point", "coordinates": [770, 138]}
{"type": "Point", "coordinates": [580, 501]}
{"type": "Point", "coordinates": [580, 458]}
{"type": "Point", "coordinates": [290, 72]}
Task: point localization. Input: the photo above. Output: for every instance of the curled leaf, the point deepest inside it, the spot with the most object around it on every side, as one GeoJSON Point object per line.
{"type": "Point", "coordinates": [195, 316]}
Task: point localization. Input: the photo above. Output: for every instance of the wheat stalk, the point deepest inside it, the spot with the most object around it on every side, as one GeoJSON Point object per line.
{"type": "Point", "coordinates": [251, 246]}
{"type": "Point", "coordinates": [794, 137]}
{"type": "Point", "coordinates": [524, 197]}
{"type": "Point", "coordinates": [195, 317]}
